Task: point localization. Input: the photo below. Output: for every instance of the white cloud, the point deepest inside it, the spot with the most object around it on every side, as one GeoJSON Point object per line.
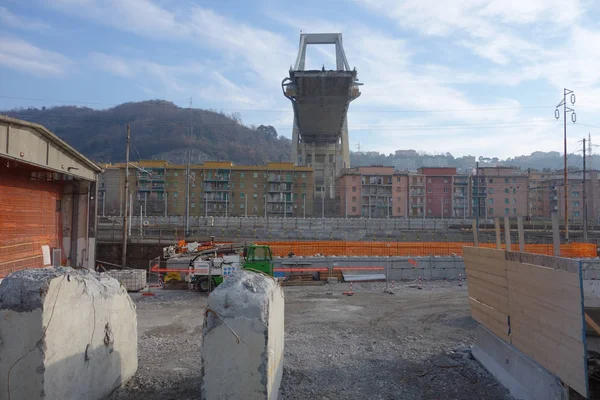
{"type": "Point", "coordinates": [7, 18]}
{"type": "Point", "coordinates": [24, 57]}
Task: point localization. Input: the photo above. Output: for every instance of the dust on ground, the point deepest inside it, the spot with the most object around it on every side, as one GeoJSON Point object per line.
{"type": "Point", "coordinates": [413, 344]}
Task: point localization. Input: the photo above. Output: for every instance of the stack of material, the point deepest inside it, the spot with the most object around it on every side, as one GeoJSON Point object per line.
{"type": "Point", "coordinates": [134, 280]}
{"type": "Point", "coordinates": [302, 279]}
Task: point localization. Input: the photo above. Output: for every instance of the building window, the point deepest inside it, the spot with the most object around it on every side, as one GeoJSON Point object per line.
{"type": "Point", "coordinates": [255, 186]}
{"type": "Point", "coordinates": [168, 173]}
{"type": "Point", "coordinates": [575, 204]}
{"type": "Point", "coordinates": [445, 199]}
{"type": "Point", "coordinates": [506, 200]}
{"type": "Point", "coordinates": [514, 190]}
{"type": "Point", "coordinates": [505, 190]}
{"type": "Point", "coordinates": [303, 175]}
{"type": "Point", "coordinates": [241, 185]}
{"type": "Point", "coordinates": [193, 205]}
{"type": "Point", "coordinates": [491, 211]}
{"type": "Point", "coordinates": [232, 185]}
{"type": "Point", "coordinates": [175, 194]}
{"type": "Point", "coordinates": [576, 213]}
{"type": "Point", "coordinates": [445, 180]}
{"type": "Point", "coordinates": [429, 211]}
{"type": "Point", "coordinates": [491, 190]}
{"type": "Point", "coordinates": [175, 173]}
{"type": "Point", "coordinates": [304, 186]}
{"type": "Point", "coordinates": [354, 188]}
{"type": "Point", "coordinates": [505, 180]}
{"type": "Point", "coordinates": [354, 199]}
{"type": "Point", "coordinates": [241, 195]}
{"type": "Point", "coordinates": [506, 211]}
{"type": "Point", "coordinates": [514, 211]}
{"type": "Point", "coordinates": [514, 201]}
{"type": "Point", "coordinates": [397, 179]}
{"type": "Point", "coordinates": [515, 180]}
{"type": "Point", "coordinates": [241, 174]}
{"type": "Point", "coordinates": [490, 180]}
{"type": "Point", "coordinates": [398, 210]}
{"type": "Point", "coordinates": [445, 190]}
{"type": "Point", "coordinates": [254, 196]}
{"type": "Point", "coordinates": [193, 194]}
{"type": "Point", "coordinates": [242, 206]}
{"type": "Point", "coordinates": [428, 180]}
{"type": "Point", "coordinates": [353, 209]}
{"type": "Point", "coordinates": [255, 175]}
{"type": "Point", "coordinates": [575, 194]}
{"type": "Point", "coordinates": [491, 202]}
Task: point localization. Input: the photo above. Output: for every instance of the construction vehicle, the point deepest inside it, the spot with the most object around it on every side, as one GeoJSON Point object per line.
{"type": "Point", "coordinates": [207, 268]}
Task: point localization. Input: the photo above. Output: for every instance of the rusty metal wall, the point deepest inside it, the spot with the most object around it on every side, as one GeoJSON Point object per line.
{"type": "Point", "coordinates": [30, 216]}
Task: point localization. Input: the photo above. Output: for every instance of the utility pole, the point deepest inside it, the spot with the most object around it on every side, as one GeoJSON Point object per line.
{"type": "Point", "coordinates": [566, 110]}
{"type": "Point", "coordinates": [585, 231]}
{"type": "Point", "coordinates": [477, 191]}
{"type": "Point", "coordinates": [304, 205]}
{"type": "Point", "coordinates": [187, 192]}
{"type": "Point", "coordinates": [124, 259]}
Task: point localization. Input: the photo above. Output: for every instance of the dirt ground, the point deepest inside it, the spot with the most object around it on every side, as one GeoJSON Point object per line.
{"type": "Point", "coordinates": [414, 344]}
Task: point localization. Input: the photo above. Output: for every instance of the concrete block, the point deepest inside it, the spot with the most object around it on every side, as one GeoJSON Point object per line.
{"type": "Point", "coordinates": [65, 334]}
{"type": "Point", "coordinates": [243, 338]}
{"type": "Point", "coordinates": [523, 377]}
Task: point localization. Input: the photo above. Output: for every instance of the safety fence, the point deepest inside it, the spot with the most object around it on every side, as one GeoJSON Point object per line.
{"type": "Point", "coordinates": [415, 249]}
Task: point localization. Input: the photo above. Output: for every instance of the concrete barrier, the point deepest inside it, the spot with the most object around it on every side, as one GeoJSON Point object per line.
{"type": "Point", "coordinates": [242, 347]}
{"type": "Point", "coordinates": [65, 334]}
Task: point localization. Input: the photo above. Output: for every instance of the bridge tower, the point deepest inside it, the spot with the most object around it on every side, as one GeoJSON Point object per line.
{"type": "Point", "coordinates": [320, 99]}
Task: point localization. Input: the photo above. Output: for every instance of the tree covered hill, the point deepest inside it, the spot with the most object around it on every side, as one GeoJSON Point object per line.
{"type": "Point", "coordinates": [160, 130]}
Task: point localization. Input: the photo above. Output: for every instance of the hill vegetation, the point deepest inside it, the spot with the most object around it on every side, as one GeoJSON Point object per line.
{"type": "Point", "coordinates": [160, 130]}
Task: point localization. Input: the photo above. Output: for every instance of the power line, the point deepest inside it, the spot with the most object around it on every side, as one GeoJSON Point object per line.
{"type": "Point", "coordinates": [289, 110]}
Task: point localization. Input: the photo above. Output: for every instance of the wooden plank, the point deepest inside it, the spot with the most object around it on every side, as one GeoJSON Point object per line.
{"type": "Point", "coordinates": [489, 297]}
{"type": "Point", "coordinates": [475, 234]}
{"type": "Point", "coordinates": [490, 266]}
{"type": "Point", "coordinates": [592, 323]}
{"type": "Point", "coordinates": [546, 319]}
{"type": "Point", "coordinates": [491, 318]}
{"type": "Point", "coordinates": [521, 234]}
{"type": "Point", "coordinates": [498, 234]}
{"type": "Point", "coordinates": [555, 233]}
{"type": "Point", "coordinates": [492, 253]}
{"type": "Point", "coordinates": [507, 233]}
{"type": "Point", "coordinates": [484, 276]}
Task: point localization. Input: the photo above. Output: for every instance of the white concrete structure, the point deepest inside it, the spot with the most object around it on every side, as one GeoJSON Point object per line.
{"type": "Point", "coordinates": [65, 334]}
{"type": "Point", "coordinates": [243, 338]}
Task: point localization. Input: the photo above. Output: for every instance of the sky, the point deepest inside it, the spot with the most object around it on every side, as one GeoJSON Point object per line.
{"type": "Point", "coordinates": [469, 77]}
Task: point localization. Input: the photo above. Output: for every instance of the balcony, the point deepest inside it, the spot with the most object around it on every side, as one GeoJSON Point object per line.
{"type": "Point", "coordinates": [461, 183]}
{"type": "Point", "coordinates": [217, 178]}
{"type": "Point", "coordinates": [216, 188]}
{"type": "Point", "coordinates": [280, 188]}
{"type": "Point", "coordinates": [417, 205]}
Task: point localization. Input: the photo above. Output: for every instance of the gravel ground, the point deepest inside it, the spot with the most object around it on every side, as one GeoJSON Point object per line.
{"type": "Point", "coordinates": [414, 344]}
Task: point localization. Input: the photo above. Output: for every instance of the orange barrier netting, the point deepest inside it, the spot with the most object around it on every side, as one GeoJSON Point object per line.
{"type": "Point", "coordinates": [350, 248]}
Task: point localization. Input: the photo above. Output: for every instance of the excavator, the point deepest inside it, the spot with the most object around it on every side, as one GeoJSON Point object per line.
{"type": "Point", "coordinates": [209, 264]}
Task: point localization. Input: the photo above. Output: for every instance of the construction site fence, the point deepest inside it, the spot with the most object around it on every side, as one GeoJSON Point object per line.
{"type": "Point", "coordinates": [413, 249]}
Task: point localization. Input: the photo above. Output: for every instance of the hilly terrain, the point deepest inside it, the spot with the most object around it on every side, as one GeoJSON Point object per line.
{"type": "Point", "coordinates": [160, 130]}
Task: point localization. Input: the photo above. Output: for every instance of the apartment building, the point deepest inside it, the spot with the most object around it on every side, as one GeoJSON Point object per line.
{"type": "Point", "coordinates": [439, 189]}
{"type": "Point", "coordinates": [461, 189]}
{"type": "Point", "coordinates": [372, 192]}
{"type": "Point", "coordinates": [536, 192]}
{"type": "Point", "coordinates": [210, 189]}
{"type": "Point", "coordinates": [416, 195]}
{"type": "Point", "coordinates": [506, 192]}
{"type": "Point", "coordinates": [553, 195]}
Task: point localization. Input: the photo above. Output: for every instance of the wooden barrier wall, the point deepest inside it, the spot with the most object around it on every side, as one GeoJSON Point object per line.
{"type": "Point", "coordinates": [537, 309]}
